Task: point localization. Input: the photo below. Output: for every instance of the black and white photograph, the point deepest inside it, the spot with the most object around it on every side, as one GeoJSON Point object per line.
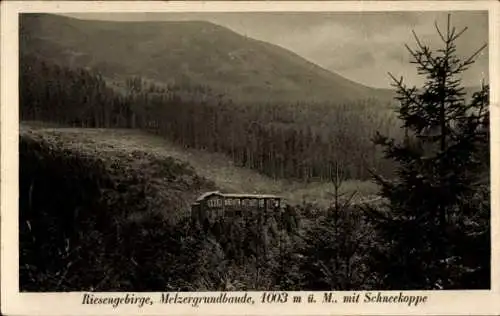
{"type": "Point", "coordinates": [254, 151]}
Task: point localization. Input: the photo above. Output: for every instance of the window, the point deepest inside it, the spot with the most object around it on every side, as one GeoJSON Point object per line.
{"type": "Point", "coordinates": [269, 203]}
{"type": "Point", "coordinates": [214, 202]}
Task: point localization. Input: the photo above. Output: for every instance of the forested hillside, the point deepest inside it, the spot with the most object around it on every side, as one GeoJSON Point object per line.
{"type": "Point", "coordinates": [294, 141]}
{"type": "Point", "coordinates": [108, 210]}
{"type": "Point", "coordinates": [188, 53]}
{"type": "Point", "coordinates": [300, 141]}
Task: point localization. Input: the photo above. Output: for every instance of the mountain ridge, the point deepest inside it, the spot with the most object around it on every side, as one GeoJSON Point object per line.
{"type": "Point", "coordinates": [182, 52]}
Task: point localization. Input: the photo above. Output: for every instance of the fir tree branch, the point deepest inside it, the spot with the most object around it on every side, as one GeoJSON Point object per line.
{"type": "Point", "coordinates": [439, 31]}
{"type": "Point", "coordinates": [459, 33]}
{"type": "Point", "coordinates": [469, 61]}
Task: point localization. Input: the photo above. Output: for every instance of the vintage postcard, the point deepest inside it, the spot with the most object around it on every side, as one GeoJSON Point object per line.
{"type": "Point", "coordinates": [250, 158]}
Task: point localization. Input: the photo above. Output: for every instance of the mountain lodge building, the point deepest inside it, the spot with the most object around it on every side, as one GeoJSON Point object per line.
{"type": "Point", "coordinates": [211, 205]}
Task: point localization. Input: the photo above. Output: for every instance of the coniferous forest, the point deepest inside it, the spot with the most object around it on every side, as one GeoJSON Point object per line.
{"type": "Point", "coordinates": [104, 218]}
{"type": "Point", "coordinates": [298, 141]}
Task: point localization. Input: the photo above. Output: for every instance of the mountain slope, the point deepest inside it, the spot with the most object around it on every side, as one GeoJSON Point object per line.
{"type": "Point", "coordinates": [215, 168]}
{"type": "Point", "coordinates": [187, 53]}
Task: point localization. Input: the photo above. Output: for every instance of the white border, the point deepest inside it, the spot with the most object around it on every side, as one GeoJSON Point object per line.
{"type": "Point", "coordinates": [14, 303]}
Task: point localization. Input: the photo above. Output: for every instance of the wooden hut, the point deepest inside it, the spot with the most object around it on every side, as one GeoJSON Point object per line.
{"type": "Point", "coordinates": [212, 205]}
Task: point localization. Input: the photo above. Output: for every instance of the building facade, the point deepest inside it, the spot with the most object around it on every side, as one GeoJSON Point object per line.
{"type": "Point", "coordinates": [212, 205]}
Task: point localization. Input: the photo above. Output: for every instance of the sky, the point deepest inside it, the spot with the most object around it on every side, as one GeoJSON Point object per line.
{"type": "Point", "coordinates": [361, 46]}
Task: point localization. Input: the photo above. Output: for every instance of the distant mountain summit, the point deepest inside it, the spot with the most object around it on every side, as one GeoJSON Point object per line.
{"type": "Point", "coordinates": [187, 53]}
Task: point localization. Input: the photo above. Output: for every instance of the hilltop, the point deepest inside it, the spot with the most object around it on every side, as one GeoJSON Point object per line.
{"type": "Point", "coordinates": [187, 53]}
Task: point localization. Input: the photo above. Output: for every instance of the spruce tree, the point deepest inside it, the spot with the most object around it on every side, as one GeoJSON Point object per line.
{"type": "Point", "coordinates": [442, 161]}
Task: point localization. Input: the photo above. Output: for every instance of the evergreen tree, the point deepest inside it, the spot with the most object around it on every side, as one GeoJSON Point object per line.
{"type": "Point", "coordinates": [441, 163]}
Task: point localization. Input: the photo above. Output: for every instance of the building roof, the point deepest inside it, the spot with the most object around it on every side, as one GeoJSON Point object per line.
{"type": "Point", "coordinates": [256, 196]}
{"type": "Point", "coordinates": [207, 194]}
{"type": "Point", "coordinates": [237, 195]}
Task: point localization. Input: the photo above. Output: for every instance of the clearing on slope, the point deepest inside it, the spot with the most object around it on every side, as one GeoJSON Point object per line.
{"type": "Point", "coordinates": [216, 168]}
